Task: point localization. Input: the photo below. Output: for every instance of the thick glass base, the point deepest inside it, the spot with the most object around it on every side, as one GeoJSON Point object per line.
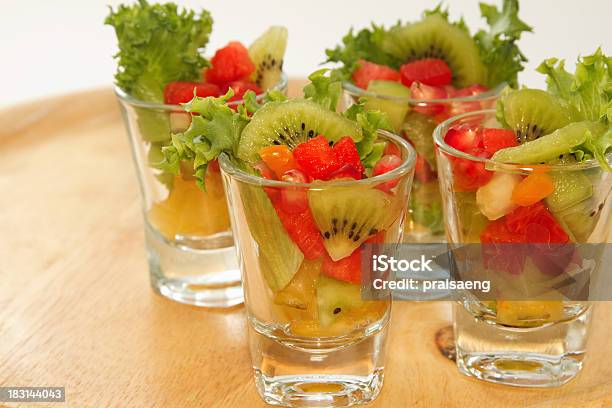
{"type": "Point", "coordinates": [195, 276]}
{"type": "Point", "coordinates": [545, 356]}
{"type": "Point", "coordinates": [336, 372]}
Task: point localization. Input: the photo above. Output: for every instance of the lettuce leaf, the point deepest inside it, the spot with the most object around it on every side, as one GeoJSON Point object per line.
{"type": "Point", "coordinates": [158, 44]}
{"type": "Point", "coordinates": [323, 89]}
{"type": "Point", "coordinates": [498, 48]}
{"type": "Point", "coordinates": [365, 44]}
{"type": "Point", "coordinates": [589, 89]}
{"type": "Point", "coordinates": [216, 129]}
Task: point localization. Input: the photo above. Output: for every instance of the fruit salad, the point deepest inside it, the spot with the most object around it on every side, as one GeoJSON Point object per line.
{"type": "Point", "coordinates": [155, 77]}
{"type": "Point", "coordinates": [420, 74]}
{"type": "Point", "coordinates": [536, 174]}
{"type": "Point", "coordinates": [308, 187]}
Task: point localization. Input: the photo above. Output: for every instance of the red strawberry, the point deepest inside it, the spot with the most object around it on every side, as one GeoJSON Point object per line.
{"type": "Point", "coordinates": [385, 165]}
{"type": "Point", "coordinates": [497, 139]}
{"type": "Point", "coordinates": [346, 152]}
{"type": "Point", "coordinates": [426, 93]}
{"type": "Point", "coordinates": [240, 88]}
{"type": "Point", "coordinates": [369, 71]}
{"type": "Point", "coordinates": [272, 192]}
{"type": "Point", "coordinates": [347, 269]}
{"type": "Point", "coordinates": [294, 200]}
{"type": "Point", "coordinates": [469, 175]}
{"type": "Point", "coordinates": [182, 92]}
{"type": "Point", "coordinates": [230, 63]}
{"type": "Point", "coordinates": [428, 71]}
{"type": "Point", "coordinates": [316, 157]}
{"type": "Point", "coordinates": [304, 232]}
{"type": "Point", "coordinates": [348, 171]}
{"type": "Point", "coordinates": [391, 148]}
{"type": "Point", "coordinates": [464, 137]}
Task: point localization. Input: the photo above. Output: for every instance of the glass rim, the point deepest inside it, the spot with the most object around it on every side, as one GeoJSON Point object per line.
{"type": "Point", "coordinates": [355, 91]}
{"type": "Point", "coordinates": [496, 165]}
{"type": "Point", "coordinates": [124, 96]}
{"type": "Point", "coordinates": [407, 165]}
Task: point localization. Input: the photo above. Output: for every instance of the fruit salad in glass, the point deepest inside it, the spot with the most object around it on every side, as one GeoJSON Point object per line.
{"type": "Point", "coordinates": [307, 187]}
{"type": "Point", "coordinates": [424, 72]}
{"type": "Point", "coordinates": [161, 67]}
{"type": "Point", "coordinates": [531, 183]}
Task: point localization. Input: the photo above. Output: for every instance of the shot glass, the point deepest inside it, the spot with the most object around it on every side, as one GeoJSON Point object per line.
{"type": "Point", "coordinates": [415, 119]}
{"type": "Point", "coordinates": [314, 340]}
{"type": "Point", "coordinates": [189, 242]}
{"type": "Point", "coordinates": [532, 330]}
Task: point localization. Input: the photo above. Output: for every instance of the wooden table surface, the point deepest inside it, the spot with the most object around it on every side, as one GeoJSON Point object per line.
{"type": "Point", "coordinates": [76, 309]}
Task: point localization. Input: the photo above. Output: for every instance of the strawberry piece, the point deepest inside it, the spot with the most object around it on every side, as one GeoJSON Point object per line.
{"type": "Point", "coordinates": [347, 269]}
{"type": "Point", "coordinates": [469, 175]}
{"type": "Point", "coordinates": [369, 71]}
{"type": "Point", "coordinates": [294, 200]}
{"type": "Point", "coordinates": [426, 93]}
{"type": "Point", "coordinates": [497, 139]}
{"type": "Point", "coordinates": [346, 152]}
{"type": "Point", "coordinates": [230, 63]}
{"type": "Point", "coordinates": [213, 165]}
{"type": "Point", "coordinates": [385, 165]}
{"type": "Point", "coordinates": [303, 231]}
{"type": "Point", "coordinates": [240, 88]}
{"type": "Point", "coordinates": [428, 71]}
{"type": "Point", "coordinates": [348, 171]}
{"type": "Point", "coordinates": [464, 137]}
{"type": "Point", "coordinates": [316, 157]}
{"type": "Point", "coordinates": [182, 92]}
{"type": "Point", "coordinates": [391, 148]}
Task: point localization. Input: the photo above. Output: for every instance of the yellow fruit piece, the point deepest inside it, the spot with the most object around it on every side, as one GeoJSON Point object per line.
{"type": "Point", "coordinates": [299, 297]}
{"type": "Point", "coordinates": [353, 320]}
{"type": "Point", "coordinates": [190, 211]}
{"type": "Point", "coordinates": [529, 313]}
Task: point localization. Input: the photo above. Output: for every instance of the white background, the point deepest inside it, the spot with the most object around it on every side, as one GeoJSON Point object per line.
{"type": "Point", "coordinates": [49, 47]}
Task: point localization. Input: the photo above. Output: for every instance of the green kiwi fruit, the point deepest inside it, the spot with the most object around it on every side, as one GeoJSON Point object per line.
{"type": "Point", "coordinates": [434, 37]}
{"type": "Point", "coordinates": [267, 53]}
{"type": "Point", "coordinates": [335, 298]}
{"type": "Point", "coordinates": [347, 216]}
{"type": "Point", "coordinates": [418, 129]}
{"type": "Point", "coordinates": [395, 110]}
{"type": "Point", "coordinates": [570, 188]}
{"type": "Point", "coordinates": [533, 113]}
{"type": "Point", "coordinates": [549, 147]}
{"type": "Point", "coordinates": [579, 220]}
{"type": "Point", "coordinates": [278, 256]}
{"type": "Point", "coordinates": [291, 123]}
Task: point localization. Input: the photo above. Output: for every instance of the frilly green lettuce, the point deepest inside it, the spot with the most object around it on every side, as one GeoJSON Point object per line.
{"type": "Point", "coordinates": [158, 44]}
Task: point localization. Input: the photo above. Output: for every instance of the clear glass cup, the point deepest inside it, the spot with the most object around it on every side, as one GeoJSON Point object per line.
{"type": "Point", "coordinates": [530, 333]}
{"type": "Point", "coordinates": [189, 242]}
{"type": "Point", "coordinates": [415, 120]}
{"type": "Point", "coordinates": [313, 340]}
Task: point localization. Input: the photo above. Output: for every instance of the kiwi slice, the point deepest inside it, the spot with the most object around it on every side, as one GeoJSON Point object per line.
{"type": "Point", "coordinates": [434, 37]}
{"type": "Point", "coordinates": [570, 188]}
{"type": "Point", "coordinates": [335, 299]}
{"type": "Point", "coordinates": [267, 53]}
{"type": "Point", "coordinates": [549, 147]}
{"type": "Point", "coordinates": [579, 220]}
{"type": "Point", "coordinates": [278, 256]}
{"type": "Point", "coordinates": [395, 110]}
{"type": "Point", "coordinates": [346, 216]}
{"type": "Point", "coordinates": [532, 113]}
{"type": "Point", "coordinates": [290, 123]}
{"type": "Point", "coordinates": [418, 129]}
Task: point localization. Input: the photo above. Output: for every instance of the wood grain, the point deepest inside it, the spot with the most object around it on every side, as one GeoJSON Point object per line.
{"type": "Point", "coordinates": [76, 309]}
